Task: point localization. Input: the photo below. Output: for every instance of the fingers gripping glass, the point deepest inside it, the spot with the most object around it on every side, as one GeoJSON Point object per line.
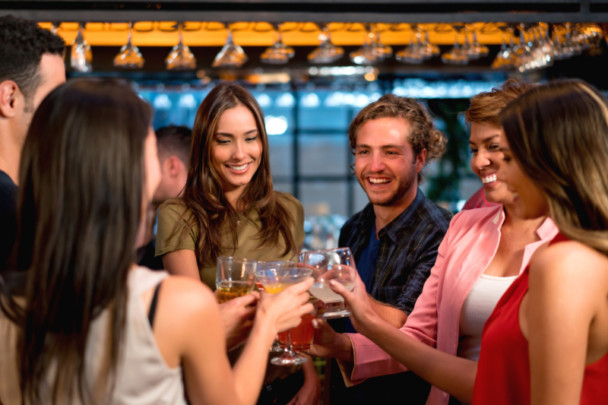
{"type": "Point", "coordinates": [327, 265]}
{"type": "Point", "coordinates": [275, 280]}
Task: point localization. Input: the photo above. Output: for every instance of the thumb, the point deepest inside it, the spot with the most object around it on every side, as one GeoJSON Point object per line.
{"type": "Point", "coordinates": [340, 289]}
{"type": "Point", "coordinates": [245, 300]}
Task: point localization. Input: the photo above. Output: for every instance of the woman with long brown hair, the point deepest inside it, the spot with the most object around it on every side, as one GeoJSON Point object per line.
{"type": "Point", "coordinates": [229, 206]}
{"type": "Point", "coordinates": [80, 323]}
{"type": "Point", "coordinates": [547, 340]}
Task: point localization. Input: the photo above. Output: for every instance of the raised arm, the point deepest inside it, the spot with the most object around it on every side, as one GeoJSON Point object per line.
{"type": "Point", "coordinates": [451, 374]}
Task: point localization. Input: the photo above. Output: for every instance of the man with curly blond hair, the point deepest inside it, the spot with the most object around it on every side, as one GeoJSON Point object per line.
{"type": "Point", "coordinates": [394, 239]}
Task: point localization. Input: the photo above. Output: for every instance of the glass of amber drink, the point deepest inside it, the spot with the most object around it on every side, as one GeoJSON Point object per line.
{"type": "Point", "coordinates": [275, 280]}
{"type": "Point", "coordinates": [234, 277]}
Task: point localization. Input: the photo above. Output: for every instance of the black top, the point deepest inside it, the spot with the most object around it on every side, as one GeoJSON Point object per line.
{"type": "Point", "coordinates": [8, 217]}
{"type": "Point", "coordinates": [407, 251]}
{"type": "Point", "coordinates": [145, 256]}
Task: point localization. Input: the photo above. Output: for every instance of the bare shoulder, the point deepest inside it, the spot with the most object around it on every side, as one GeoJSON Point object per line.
{"type": "Point", "coordinates": [188, 297]}
{"type": "Point", "coordinates": [571, 263]}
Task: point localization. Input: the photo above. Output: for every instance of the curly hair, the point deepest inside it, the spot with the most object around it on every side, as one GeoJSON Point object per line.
{"type": "Point", "coordinates": [423, 134]}
{"type": "Point", "coordinates": [485, 107]}
{"type": "Point", "coordinates": [22, 44]}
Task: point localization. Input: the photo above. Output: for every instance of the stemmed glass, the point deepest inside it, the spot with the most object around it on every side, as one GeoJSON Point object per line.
{"type": "Point", "coordinates": [327, 265]}
{"type": "Point", "coordinates": [81, 58]}
{"type": "Point", "coordinates": [278, 53]}
{"type": "Point", "coordinates": [428, 50]}
{"type": "Point", "coordinates": [481, 50]}
{"type": "Point", "coordinates": [231, 55]}
{"type": "Point", "coordinates": [326, 52]}
{"type": "Point", "coordinates": [413, 53]}
{"type": "Point", "coordinates": [456, 56]}
{"type": "Point", "coordinates": [180, 57]}
{"type": "Point", "coordinates": [506, 58]}
{"type": "Point", "coordinates": [129, 56]}
{"type": "Point", "coordinates": [274, 281]}
{"type": "Point", "coordinates": [380, 50]}
{"type": "Point", "coordinates": [366, 55]}
{"type": "Point", "coordinates": [270, 266]}
{"type": "Point", "coordinates": [527, 60]}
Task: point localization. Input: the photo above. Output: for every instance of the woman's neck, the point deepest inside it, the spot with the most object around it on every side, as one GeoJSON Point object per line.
{"type": "Point", "coordinates": [233, 195]}
{"type": "Point", "coordinates": [515, 224]}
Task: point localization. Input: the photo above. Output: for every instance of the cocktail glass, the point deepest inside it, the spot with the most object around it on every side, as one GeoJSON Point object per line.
{"type": "Point", "coordinates": [275, 280]}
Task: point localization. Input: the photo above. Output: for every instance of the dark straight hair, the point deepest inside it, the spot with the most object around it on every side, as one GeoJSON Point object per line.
{"type": "Point", "coordinates": [80, 202]}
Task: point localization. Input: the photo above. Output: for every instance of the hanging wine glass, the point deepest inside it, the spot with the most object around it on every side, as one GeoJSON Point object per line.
{"type": "Point", "coordinates": [411, 54]}
{"type": "Point", "coordinates": [326, 52]}
{"type": "Point", "coordinates": [506, 58]}
{"type": "Point", "coordinates": [231, 55]}
{"type": "Point", "coordinates": [81, 58]}
{"type": "Point", "coordinates": [129, 56]}
{"type": "Point", "coordinates": [278, 53]}
{"type": "Point", "coordinates": [481, 50]}
{"type": "Point", "coordinates": [427, 49]}
{"type": "Point", "coordinates": [455, 56]}
{"type": "Point", "coordinates": [380, 50]}
{"type": "Point", "coordinates": [180, 57]}
{"type": "Point", "coordinates": [365, 55]}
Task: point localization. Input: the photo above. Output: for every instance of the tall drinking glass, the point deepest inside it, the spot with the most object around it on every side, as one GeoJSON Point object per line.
{"type": "Point", "coordinates": [234, 277]}
{"type": "Point", "coordinates": [274, 281]}
{"type": "Point", "coordinates": [327, 265]}
{"type": "Point", "coordinates": [276, 347]}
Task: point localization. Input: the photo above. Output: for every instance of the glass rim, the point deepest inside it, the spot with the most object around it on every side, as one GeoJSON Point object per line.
{"type": "Point", "coordinates": [303, 269]}
{"type": "Point", "coordinates": [237, 259]}
{"type": "Point", "coordinates": [323, 250]}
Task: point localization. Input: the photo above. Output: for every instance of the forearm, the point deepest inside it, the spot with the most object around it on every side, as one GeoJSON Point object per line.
{"type": "Point", "coordinates": [451, 374]}
{"type": "Point", "coordinates": [391, 315]}
{"type": "Point", "coordinates": [250, 369]}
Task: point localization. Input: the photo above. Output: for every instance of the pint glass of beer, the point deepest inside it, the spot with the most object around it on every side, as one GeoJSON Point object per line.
{"type": "Point", "coordinates": [234, 277]}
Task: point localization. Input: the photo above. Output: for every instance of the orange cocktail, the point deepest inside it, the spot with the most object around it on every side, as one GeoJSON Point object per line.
{"type": "Point", "coordinates": [301, 335]}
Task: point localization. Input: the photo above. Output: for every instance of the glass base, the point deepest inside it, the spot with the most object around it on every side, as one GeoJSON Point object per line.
{"type": "Point", "coordinates": [334, 315]}
{"type": "Point", "coordinates": [287, 360]}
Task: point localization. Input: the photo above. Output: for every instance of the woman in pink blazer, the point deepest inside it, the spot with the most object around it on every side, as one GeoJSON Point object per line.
{"type": "Point", "coordinates": [482, 253]}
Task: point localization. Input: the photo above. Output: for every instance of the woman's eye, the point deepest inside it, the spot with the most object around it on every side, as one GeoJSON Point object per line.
{"type": "Point", "coordinates": [221, 141]}
{"type": "Point", "coordinates": [252, 139]}
{"type": "Point", "coordinates": [493, 147]}
{"type": "Point", "coordinates": [473, 151]}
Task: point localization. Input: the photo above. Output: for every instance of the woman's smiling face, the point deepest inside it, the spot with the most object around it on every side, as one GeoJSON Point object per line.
{"type": "Point", "coordinates": [528, 199]}
{"type": "Point", "coordinates": [486, 158]}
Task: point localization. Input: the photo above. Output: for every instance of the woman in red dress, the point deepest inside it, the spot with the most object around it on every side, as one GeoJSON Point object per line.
{"type": "Point", "coordinates": [547, 339]}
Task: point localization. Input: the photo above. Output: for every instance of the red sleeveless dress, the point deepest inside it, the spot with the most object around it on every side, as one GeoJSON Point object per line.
{"type": "Point", "coordinates": [503, 371]}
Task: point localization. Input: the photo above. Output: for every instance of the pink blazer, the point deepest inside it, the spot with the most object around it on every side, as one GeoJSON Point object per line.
{"type": "Point", "coordinates": [465, 253]}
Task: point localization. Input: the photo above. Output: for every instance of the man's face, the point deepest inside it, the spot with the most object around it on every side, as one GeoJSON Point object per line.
{"type": "Point", "coordinates": [385, 164]}
{"type": "Point", "coordinates": [52, 75]}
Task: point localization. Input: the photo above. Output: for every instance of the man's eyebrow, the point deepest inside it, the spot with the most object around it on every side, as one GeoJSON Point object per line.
{"type": "Point", "coordinates": [382, 147]}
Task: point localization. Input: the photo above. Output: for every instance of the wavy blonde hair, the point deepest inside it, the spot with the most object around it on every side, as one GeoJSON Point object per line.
{"type": "Point", "coordinates": [559, 134]}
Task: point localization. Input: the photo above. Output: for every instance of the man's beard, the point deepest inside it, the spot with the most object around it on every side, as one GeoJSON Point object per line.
{"type": "Point", "coordinates": [403, 186]}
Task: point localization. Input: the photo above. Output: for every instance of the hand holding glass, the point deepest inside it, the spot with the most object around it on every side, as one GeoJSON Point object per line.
{"type": "Point", "coordinates": [327, 265]}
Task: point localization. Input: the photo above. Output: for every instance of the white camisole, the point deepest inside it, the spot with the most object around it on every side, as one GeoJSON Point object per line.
{"type": "Point", "coordinates": [476, 309]}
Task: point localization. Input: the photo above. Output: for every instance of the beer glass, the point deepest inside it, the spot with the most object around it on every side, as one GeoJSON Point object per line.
{"type": "Point", "coordinates": [234, 277]}
{"type": "Point", "coordinates": [274, 281]}
{"type": "Point", "coordinates": [327, 265]}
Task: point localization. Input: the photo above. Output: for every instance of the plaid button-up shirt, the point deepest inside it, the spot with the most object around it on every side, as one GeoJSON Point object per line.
{"type": "Point", "coordinates": [407, 251]}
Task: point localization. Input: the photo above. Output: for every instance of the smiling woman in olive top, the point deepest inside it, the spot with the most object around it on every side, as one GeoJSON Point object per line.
{"type": "Point", "coordinates": [229, 207]}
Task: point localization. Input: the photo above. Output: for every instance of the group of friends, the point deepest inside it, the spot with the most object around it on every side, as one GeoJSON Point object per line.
{"type": "Point", "coordinates": [503, 303]}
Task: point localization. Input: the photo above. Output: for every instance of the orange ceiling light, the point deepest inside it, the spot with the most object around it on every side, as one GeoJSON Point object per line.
{"type": "Point", "coordinates": [164, 33]}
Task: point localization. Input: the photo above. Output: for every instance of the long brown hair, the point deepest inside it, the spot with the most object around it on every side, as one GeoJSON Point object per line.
{"type": "Point", "coordinates": [80, 201]}
{"type": "Point", "coordinates": [559, 134]}
{"type": "Point", "coordinates": [210, 211]}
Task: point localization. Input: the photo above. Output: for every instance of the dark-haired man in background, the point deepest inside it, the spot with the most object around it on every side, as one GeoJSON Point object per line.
{"type": "Point", "coordinates": [173, 144]}
{"type": "Point", "coordinates": [31, 65]}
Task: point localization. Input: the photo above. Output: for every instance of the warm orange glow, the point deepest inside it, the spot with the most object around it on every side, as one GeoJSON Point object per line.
{"type": "Point", "coordinates": [163, 33]}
